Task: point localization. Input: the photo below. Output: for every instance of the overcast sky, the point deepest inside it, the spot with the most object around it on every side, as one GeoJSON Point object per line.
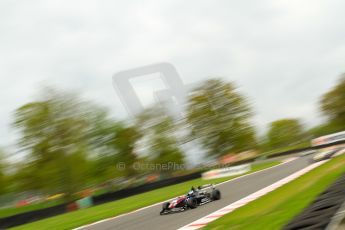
{"type": "Point", "coordinates": [282, 54]}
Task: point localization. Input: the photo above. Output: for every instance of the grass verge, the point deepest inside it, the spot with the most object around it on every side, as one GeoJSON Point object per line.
{"type": "Point", "coordinates": [111, 209]}
{"type": "Point", "coordinates": [302, 145]}
{"type": "Point", "coordinates": [277, 208]}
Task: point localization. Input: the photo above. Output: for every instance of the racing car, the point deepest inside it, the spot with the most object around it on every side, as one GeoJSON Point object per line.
{"type": "Point", "coordinates": [324, 155]}
{"type": "Point", "coordinates": [195, 197]}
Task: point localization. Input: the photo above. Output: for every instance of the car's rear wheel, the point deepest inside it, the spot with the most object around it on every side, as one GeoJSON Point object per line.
{"type": "Point", "coordinates": [192, 203]}
{"type": "Point", "coordinates": [215, 194]}
{"type": "Point", "coordinates": [165, 207]}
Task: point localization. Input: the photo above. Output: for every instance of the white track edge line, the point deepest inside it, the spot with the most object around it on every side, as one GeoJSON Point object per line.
{"type": "Point", "coordinates": [203, 221]}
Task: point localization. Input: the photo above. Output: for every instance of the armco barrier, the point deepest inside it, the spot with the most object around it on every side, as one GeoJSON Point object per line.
{"type": "Point", "coordinates": [320, 213]}
{"type": "Point", "coordinates": [27, 217]}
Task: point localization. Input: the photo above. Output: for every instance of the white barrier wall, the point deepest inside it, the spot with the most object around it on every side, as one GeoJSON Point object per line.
{"type": "Point", "coordinates": [340, 136]}
{"type": "Point", "coordinates": [225, 172]}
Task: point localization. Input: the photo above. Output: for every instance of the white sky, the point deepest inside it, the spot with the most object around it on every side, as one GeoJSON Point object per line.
{"type": "Point", "coordinates": [283, 54]}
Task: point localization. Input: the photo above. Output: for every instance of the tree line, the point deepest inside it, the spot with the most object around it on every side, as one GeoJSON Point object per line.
{"type": "Point", "coordinates": [69, 143]}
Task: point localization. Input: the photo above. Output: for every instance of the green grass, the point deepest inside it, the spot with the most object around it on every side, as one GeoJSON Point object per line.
{"type": "Point", "coordinates": [304, 144]}
{"type": "Point", "coordinates": [277, 208]}
{"type": "Point", "coordinates": [111, 209]}
{"type": "Point", "coordinates": [5, 212]}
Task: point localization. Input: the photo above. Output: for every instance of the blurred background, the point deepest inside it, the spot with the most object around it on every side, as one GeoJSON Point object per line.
{"type": "Point", "coordinates": [267, 77]}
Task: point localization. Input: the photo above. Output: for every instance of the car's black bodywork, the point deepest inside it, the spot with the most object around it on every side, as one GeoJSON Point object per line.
{"type": "Point", "coordinates": [194, 198]}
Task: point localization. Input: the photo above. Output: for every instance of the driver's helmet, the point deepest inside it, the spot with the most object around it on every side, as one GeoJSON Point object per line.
{"type": "Point", "coordinates": [192, 192]}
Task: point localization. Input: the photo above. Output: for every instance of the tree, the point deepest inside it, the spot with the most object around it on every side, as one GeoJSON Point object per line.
{"type": "Point", "coordinates": [219, 117]}
{"type": "Point", "coordinates": [285, 132]}
{"type": "Point", "coordinates": [333, 104]}
{"type": "Point", "coordinates": [26, 177]}
{"type": "Point", "coordinates": [3, 177]}
{"type": "Point", "coordinates": [54, 132]}
{"type": "Point", "coordinates": [324, 129]}
{"type": "Point", "coordinates": [117, 142]}
{"type": "Point", "coordinates": [160, 132]}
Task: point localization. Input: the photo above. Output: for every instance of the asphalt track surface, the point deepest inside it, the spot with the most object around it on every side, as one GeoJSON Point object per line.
{"type": "Point", "coordinates": [149, 219]}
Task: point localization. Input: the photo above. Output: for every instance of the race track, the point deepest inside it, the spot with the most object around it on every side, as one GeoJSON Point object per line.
{"type": "Point", "coordinates": [232, 191]}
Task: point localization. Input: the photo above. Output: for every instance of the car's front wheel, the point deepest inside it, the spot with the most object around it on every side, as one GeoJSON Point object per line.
{"type": "Point", "coordinates": [215, 194]}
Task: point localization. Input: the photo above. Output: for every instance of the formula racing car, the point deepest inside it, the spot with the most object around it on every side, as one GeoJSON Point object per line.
{"type": "Point", "coordinates": [324, 155]}
{"type": "Point", "coordinates": [195, 197]}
